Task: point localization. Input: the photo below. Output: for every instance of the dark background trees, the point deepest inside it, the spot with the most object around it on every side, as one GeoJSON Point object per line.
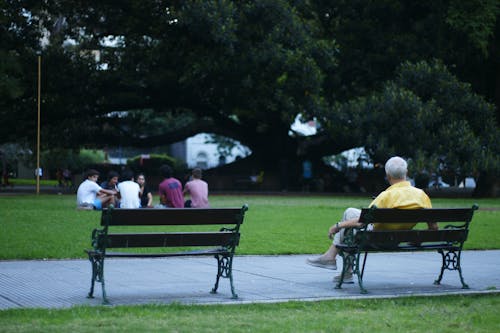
{"type": "Point", "coordinates": [145, 73]}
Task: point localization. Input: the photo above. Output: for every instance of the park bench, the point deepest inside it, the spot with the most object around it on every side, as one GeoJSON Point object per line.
{"type": "Point", "coordinates": [167, 242]}
{"type": "Point", "coordinates": [448, 240]}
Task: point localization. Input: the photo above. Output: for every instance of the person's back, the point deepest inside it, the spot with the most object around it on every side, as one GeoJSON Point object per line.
{"type": "Point", "coordinates": [170, 189]}
{"type": "Point", "coordinates": [400, 195]}
{"type": "Point", "coordinates": [198, 189]}
{"type": "Point", "coordinates": [129, 192]}
{"type": "Point", "coordinates": [87, 192]}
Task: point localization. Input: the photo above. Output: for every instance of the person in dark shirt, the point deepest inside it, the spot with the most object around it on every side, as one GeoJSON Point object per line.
{"type": "Point", "coordinates": [170, 189]}
{"type": "Point", "coordinates": [145, 193]}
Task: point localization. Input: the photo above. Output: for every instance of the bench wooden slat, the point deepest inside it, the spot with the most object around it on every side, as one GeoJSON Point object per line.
{"type": "Point", "coordinates": [414, 236]}
{"type": "Point", "coordinates": [191, 253]}
{"type": "Point", "coordinates": [172, 239]}
{"type": "Point", "coordinates": [173, 216]}
{"type": "Point", "coordinates": [401, 247]}
{"type": "Point", "coordinates": [387, 215]}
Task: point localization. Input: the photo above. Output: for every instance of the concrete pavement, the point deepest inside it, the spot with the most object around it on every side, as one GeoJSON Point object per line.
{"type": "Point", "coordinates": [257, 279]}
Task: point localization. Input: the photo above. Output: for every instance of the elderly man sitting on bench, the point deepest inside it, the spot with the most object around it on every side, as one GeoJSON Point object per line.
{"type": "Point", "coordinates": [400, 194]}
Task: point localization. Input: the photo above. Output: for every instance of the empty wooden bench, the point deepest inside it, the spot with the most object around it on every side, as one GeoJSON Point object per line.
{"type": "Point", "coordinates": [448, 240]}
{"type": "Point", "coordinates": [220, 243]}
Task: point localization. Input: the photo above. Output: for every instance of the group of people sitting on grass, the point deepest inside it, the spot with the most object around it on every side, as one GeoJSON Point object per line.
{"type": "Point", "coordinates": [136, 194]}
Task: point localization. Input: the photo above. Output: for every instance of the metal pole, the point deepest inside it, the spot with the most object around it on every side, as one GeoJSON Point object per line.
{"type": "Point", "coordinates": [38, 128]}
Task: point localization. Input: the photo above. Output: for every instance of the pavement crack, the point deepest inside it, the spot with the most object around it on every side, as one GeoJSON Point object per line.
{"type": "Point", "coordinates": [12, 301]}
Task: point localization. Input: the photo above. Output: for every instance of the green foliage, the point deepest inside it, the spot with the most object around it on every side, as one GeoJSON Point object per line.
{"type": "Point", "coordinates": [426, 113]}
{"type": "Point", "coordinates": [476, 19]}
{"type": "Point", "coordinates": [13, 153]}
{"type": "Point", "coordinates": [467, 123]}
{"type": "Point", "coordinates": [263, 49]}
{"type": "Point", "coordinates": [246, 69]}
{"type": "Point", "coordinates": [77, 161]}
{"type": "Point", "coordinates": [375, 37]}
{"type": "Point", "coordinates": [10, 85]}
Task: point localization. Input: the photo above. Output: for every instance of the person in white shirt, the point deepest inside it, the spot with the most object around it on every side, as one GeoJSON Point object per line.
{"type": "Point", "coordinates": [92, 196]}
{"type": "Point", "coordinates": [129, 191]}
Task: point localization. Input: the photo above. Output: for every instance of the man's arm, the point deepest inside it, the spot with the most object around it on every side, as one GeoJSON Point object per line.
{"type": "Point", "coordinates": [104, 191]}
{"type": "Point", "coordinates": [352, 223]}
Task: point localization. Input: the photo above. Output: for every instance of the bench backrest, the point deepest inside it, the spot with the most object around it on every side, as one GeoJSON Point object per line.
{"type": "Point", "coordinates": [389, 215]}
{"type": "Point", "coordinates": [170, 239]}
{"type": "Point", "coordinates": [452, 234]}
{"type": "Point", "coordinates": [230, 218]}
{"type": "Point", "coordinates": [172, 216]}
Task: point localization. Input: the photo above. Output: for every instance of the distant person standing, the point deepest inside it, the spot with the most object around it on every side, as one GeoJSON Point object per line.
{"type": "Point", "coordinates": [129, 191]}
{"type": "Point", "coordinates": [170, 189]}
{"type": "Point", "coordinates": [198, 190]}
{"type": "Point", "coordinates": [145, 192]}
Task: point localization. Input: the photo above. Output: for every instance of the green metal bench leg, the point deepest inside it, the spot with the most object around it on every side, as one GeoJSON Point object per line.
{"type": "Point", "coordinates": [94, 274]}
{"type": "Point", "coordinates": [355, 270]}
{"type": "Point", "coordinates": [451, 261]}
{"type": "Point", "coordinates": [364, 263]}
{"type": "Point", "coordinates": [97, 275]}
{"type": "Point", "coordinates": [105, 300]}
{"type": "Point", "coordinates": [101, 279]}
{"type": "Point", "coordinates": [351, 260]}
{"type": "Point", "coordinates": [219, 273]}
{"type": "Point", "coordinates": [443, 266]}
{"type": "Point", "coordinates": [224, 269]}
{"type": "Point", "coordinates": [344, 269]}
{"type": "Point", "coordinates": [459, 267]}
{"type": "Point", "coordinates": [235, 296]}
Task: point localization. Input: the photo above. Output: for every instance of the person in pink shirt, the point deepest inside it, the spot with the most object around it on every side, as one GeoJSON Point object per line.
{"type": "Point", "coordinates": [170, 189]}
{"type": "Point", "coordinates": [198, 190]}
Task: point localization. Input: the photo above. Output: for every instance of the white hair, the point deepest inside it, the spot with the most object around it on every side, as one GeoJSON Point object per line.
{"type": "Point", "coordinates": [396, 168]}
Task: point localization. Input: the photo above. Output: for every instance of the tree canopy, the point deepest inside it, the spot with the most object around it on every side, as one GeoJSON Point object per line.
{"type": "Point", "coordinates": [147, 73]}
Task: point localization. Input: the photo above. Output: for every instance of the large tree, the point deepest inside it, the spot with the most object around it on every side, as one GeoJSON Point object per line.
{"type": "Point", "coordinates": [145, 73]}
{"type": "Point", "coordinates": [244, 70]}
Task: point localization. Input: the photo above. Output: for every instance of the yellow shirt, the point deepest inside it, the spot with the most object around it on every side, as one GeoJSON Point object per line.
{"type": "Point", "coordinates": [402, 196]}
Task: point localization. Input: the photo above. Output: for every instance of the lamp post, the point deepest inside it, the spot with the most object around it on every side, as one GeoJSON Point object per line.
{"type": "Point", "coordinates": [38, 127]}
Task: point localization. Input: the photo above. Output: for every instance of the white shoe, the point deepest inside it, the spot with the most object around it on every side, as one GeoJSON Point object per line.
{"type": "Point", "coordinates": [347, 278]}
{"type": "Point", "coordinates": [323, 263]}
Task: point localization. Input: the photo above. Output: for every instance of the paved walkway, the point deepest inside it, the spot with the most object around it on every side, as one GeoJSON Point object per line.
{"type": "Point", "coordinates": [258, 279]}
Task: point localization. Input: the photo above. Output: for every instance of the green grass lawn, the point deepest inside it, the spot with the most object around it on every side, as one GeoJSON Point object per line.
{"type": "Point", "coordinates": [445, 314]}
{"type": "Point", "coordinates": [49, 226]}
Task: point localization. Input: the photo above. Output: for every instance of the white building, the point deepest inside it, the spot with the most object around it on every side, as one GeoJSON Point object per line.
{"type": "Point", "coordinates": [196, 152]}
